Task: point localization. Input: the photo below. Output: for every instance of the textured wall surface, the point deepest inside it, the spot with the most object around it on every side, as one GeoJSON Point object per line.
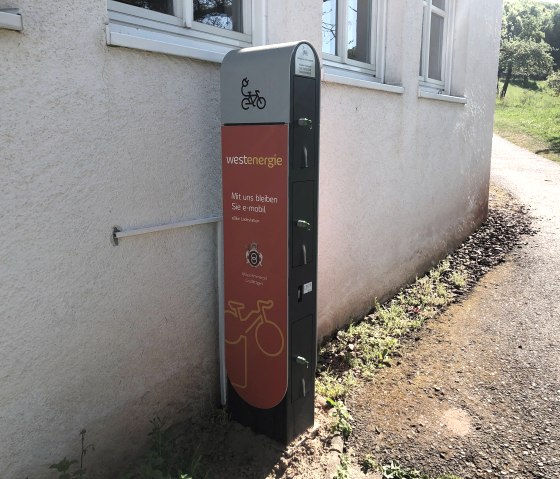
{"type": "Point", "coordinates": [93, 335]}
{"type": "Point", "coordinates": [403, 179]}
{"type": "Point", "coordinates": [104, 338]}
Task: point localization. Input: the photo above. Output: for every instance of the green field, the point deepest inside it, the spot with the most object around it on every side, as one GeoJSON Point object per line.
{"type": "Point", "coordinates": [530, 117]}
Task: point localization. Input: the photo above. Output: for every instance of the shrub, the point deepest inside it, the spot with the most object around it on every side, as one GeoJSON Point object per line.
{"type": "Point", "coordinates": [553, 82]}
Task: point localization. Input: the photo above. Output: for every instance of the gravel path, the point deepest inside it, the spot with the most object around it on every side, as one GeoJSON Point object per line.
{"type": "Point", "coordinates": [479, 395]}
{"type": "Point", "coordinates": [536, 182]}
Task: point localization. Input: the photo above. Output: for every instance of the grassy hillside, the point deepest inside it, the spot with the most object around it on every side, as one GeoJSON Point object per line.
{"type": "Point", "coordinates": [530, 117]}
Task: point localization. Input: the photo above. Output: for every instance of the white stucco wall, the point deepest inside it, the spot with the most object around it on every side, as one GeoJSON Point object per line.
{"type": "Point", "coordinates": [104, 338]}
{"type": "Point", "coordinates": [93, 335]}
{"type": "Point", "coordinates": [403, 179]}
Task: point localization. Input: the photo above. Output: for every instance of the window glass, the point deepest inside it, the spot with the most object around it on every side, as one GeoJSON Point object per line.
{"type": "Point", "coordinates": [436, 48]}
{"type": "Point", "coordinates": [359, 40]}
{"type": "Point", "coordinates": [329, 26]}
{"type": "Point", "coordinates": [350, 33]}
{"type": "Point", "coordinates": [226, 14]}
{"type": "Point", "coordinates": [439, 4]}
{"type": "Point", "coordinates": [163, 6]}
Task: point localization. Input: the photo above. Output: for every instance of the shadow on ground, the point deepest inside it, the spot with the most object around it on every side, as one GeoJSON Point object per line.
{"type": "Point", "coordinates": [224, 449]}
{"type": "Point", "coordinates": [554, 147]}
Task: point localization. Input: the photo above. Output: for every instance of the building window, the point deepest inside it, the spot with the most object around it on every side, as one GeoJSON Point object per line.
{"type": "Point", "coordinates": [435, 57]}
{"type": "Point", "coordinates": [352, 35]}
{"type": "Point", "coordinates": [226, 14]}
{"type": "Point", "coordinates": [162, 6]}
{"type": "Point", "coordinates": [184, 25]}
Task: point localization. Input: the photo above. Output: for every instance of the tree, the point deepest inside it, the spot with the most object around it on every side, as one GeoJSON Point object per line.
{"type": "Point", "coordinates": [524, 20]}
{"type": "Point", "coordinates": [552, 34]}
{"type": "Point", "coordinates": [523, 51]}
{"type": "Point", "coordinates": [526, 58]}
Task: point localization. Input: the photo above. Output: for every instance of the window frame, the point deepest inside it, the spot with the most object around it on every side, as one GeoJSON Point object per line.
{"type": "Point", "coordinates": [179, 34]}
{"type": "Point", "coordinates": [344, 66]}
{"type": "Point", "coordinates": [426, 83]}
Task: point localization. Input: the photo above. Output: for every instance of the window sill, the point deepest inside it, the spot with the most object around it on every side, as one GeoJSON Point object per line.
{"type": "Point", "coordinates": [10, 19]}
{"type": "Point", "coordinates": [163, 42]}
{"type": "Point", "coordinates": [357, 82]}
{"type": "Point", "coordinates": [441, 97]}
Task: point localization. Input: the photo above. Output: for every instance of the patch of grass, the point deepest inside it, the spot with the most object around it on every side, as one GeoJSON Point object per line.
{"type": "Point", "coordinates": [334, 387]}
{"type": "Point", "coordinates": [365, 346]}
{"type": "Point", "coordinates": [459, 278]}
{"type": "Point", "coordinates": [530, 117]}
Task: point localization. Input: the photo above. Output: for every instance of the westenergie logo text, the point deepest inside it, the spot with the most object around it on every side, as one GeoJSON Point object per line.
{"type": "Point", "coordinates": [269, 161]}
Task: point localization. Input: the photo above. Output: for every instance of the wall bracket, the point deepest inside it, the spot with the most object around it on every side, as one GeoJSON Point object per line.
{"type": "Point", "coordinates": [11, 19]}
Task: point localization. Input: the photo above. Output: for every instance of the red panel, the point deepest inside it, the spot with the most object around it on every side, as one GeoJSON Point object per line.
{"type": "Point", "coordinates": [255, 201]}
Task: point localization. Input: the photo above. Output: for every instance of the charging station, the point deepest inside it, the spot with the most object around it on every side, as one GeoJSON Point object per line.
{"type": "Point", "coordinates": [270, 163]}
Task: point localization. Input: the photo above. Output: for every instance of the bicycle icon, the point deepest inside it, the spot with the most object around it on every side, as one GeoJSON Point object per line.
{"type": "Point", "coordinates": [263, 327]}
{"type": "Point", "coordinates": [251, 99]}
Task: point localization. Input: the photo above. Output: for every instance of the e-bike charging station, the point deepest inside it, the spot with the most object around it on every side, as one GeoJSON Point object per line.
{"type": "Point", "coordinates": [270, 144]}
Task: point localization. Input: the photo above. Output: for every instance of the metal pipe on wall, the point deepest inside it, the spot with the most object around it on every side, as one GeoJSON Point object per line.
{"type": "Point", "coordinates": [218, 220]}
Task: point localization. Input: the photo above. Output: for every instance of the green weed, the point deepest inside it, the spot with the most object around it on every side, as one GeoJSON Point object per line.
{"type": "Point", "coordinates": [459, 278]}
{"type": "Point", "coordinates": [341, 418]}
{"type": "Point", "coordinates": [64, 466]}
{"type": "Point", "coordinates": [394, 470]}
{"type": "Point", "coordinates": [342, 470]}
{"type": "Point", "coordinates": [163, 460]}
{"type": "Point", "coordinates": [368, 464]}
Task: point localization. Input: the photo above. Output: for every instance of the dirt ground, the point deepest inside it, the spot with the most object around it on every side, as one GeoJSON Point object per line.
{"type": "Point", "coordinates": [478, 394]}
{"type": "Point", "coordinates": [475, 392]}
{"type": "Point", "coordinates": [473, 396]}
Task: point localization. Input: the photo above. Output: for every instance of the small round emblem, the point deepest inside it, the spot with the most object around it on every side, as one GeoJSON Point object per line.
{"type": "Point", "coordinates": [253, 256]}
